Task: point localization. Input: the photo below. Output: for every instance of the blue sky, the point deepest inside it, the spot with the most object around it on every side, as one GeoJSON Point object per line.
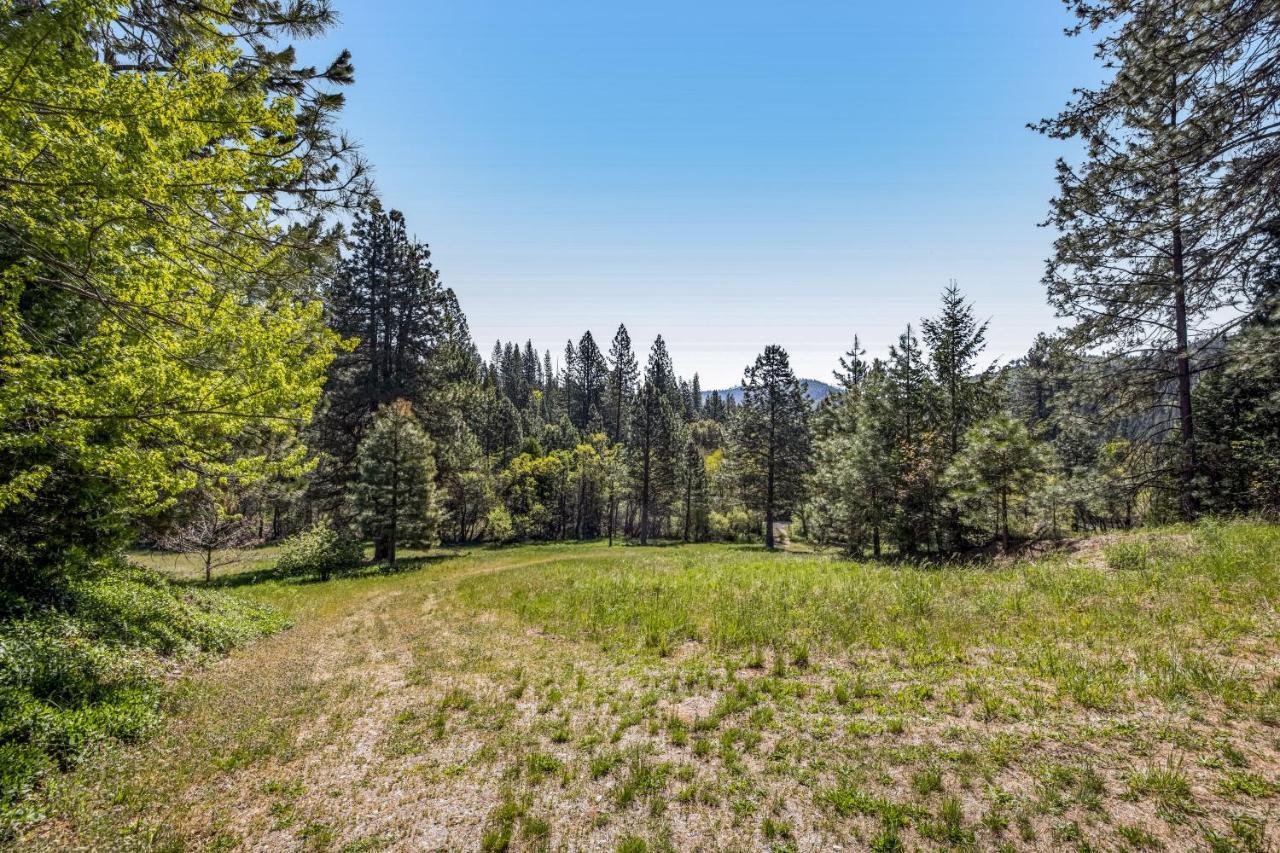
{"type": "Point", "coordinates": [727, 174]}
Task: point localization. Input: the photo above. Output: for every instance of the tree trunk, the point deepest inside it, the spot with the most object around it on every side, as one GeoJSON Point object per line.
{"type": "Point", "coordinates": [1004, 520]}
{"type": "Point", "coordinates": [613, 515]}
{"type": "Point", "coordinates": [875, 541]}
{"type": "Point", "coordinates": [1186, 436]}
{"type": "Point", "coordinates": [644, 497]}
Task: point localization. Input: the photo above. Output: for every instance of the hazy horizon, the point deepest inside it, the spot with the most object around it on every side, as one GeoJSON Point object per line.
{"type": "Point", "coordinates": [728, 176]}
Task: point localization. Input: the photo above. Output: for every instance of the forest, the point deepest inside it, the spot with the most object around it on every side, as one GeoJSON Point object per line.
{"type": "Point", "coordinates": [219, 338]}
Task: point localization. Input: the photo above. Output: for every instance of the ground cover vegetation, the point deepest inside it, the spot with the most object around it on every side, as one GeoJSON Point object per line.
{"type": "Point", "coordinates": [1123, 694]}
{"type": "Point", "coordinates": [216, 339]}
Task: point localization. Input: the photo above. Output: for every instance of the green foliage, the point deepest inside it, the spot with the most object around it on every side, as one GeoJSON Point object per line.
{"type": "Point", "coordinates": [1127, 556]}
{"type": "Point", "coordinates": [772, 438]}
{"type": "Point", "coordinates": [93, 668]}
{"type": "Point", "coordinates": [320, 551]}
{"type": "Point", "coordinates": [1001, 463]}
{"type": "Point", "coordinates": [396, 493]}
{"type": "Point", "coordinates": [498, 526]}
{"type": "Point", "coordinates": [134, 355]}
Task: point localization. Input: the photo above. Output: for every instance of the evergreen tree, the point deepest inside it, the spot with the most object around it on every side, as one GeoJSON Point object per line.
{"type": "Point", "coordinates": [955, 339]}
{"type": "Point", "coordinates": [715, 407]}
{"type": "Point", "coordinates": [772, 435]}
{"type": "Point", "coordinates": [589, 381]}
{"type": "Point", "coordinates": [1000, 461]}
{"type": "Point", "coordinates": [387, 296]}
{"type": "Point", "coordinates": [1162, 225]}
{"type": "Point", "coordinates": [916, 450]}
{"type": "Point", "coordinates": [623, 375]}
{"type": "Point", "coordinates": [853, 368]}
{"type": "Point", "coordinates": [1239, 432]}
{"type": "Point", "coordinates": [395, 494]}
{"type": "Point", "coordinates": [653, 434]}
{"type": "Point", "coordinates": [693, 492]}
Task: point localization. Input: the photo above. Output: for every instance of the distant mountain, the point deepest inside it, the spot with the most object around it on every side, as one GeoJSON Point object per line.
{"type": "Point", "coordinates": [818, 391]}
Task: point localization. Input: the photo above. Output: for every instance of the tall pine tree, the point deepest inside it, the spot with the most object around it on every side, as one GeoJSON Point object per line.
{"type": "Point", "coordinates": [1164, 222]}
{"type": "Point", "coordinates": [772, 435]}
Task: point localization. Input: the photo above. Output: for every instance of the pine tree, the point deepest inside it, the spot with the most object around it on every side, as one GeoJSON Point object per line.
{"type": "Point", "coordinates": [395, 493]}
{"type": "Point", "coordinates": [853, 368]}
{"type": "Point", "coordinates": [623, 375]}
{"type": "Point", "coordinates": [955, 339]}
{"type": "Point", "coordinates": [917, 452]}
{"type": "Point", "coordinates": [909, 385]}
{"type": "Point", "coordinates": [715, 407]}
{"type": "Point", "coordinates": [693, 491]}
{"type": "Point", "coordinates": [1163, 224]}
{"type": "Point", "coordinates": [387, 295]}
{"type": "Point", "coordinates": [653, 433]}
{"type": "Point", "coordinates": [589, 378]}
{"type": "Point", "coordinates": [569, 379]}
{"type": "Point", "coordinates": [1000, 462]}
{"type": "Point", "coordinates": [772, 435]}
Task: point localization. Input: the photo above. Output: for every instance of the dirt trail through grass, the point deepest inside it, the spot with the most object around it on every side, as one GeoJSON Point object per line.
{"type": "Point", "coordinates": [580, 697]}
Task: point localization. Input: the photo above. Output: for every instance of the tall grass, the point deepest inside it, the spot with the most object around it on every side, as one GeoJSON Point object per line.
{"type": "Point", "coordinates": [1166, 627]}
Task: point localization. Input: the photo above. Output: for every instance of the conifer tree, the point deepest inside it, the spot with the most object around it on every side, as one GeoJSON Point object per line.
{"type": "Point", "coordinates": [955, 339]}
{"type": "Point", "coordinates": [623, 375]}
{"type": "Point", "coordinates": [1164, 222]}
{"type": "Point", "coordinates": [772, 435]}
{"type": "Point", "coordinates": [653, 433]}
{"type": "Point", "coordinates": [715, 407]}
{"type": "Point", "coordinates": [589, 377]}
{"type": "Point", "coordinates": [395, 494]}
{"type": "Point", "coordinates": [853, 368]}
{"type": "Point", "coordinates": [693, 491]}
{"type": "Point", "coordinates": [1000, 462]}
{"type": "Point", "coordinates": [387, 295]}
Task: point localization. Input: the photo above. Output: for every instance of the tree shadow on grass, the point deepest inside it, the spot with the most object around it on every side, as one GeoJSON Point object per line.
{"type": "Point", "coordinates": [263, 574]}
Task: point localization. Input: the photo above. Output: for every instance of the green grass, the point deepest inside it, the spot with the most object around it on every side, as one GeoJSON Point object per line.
{"type": "Point", "coordinates": [563, 696]}
{"type": "Point", "coordinates": [90, 667]}
{"type": "Point", "coordinates": [1085, 627]}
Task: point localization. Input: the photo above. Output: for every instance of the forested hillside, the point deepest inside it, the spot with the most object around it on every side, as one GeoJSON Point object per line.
{"type": "Point", "coordinates": [217, 333]}
{"type": "Point", "coordinates": [815, 390]}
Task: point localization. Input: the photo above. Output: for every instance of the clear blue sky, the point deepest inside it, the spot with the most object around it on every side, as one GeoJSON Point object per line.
{"type": "Point", "coordinates": [728, 174]}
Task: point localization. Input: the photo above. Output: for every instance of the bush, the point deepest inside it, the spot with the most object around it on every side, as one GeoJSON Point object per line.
{"type": "Point", "coordinates": [498, 526]}
{"type": "Point", "coordinates": [91, 667]}
{"type": "Point", "coordinates": [321, 552]}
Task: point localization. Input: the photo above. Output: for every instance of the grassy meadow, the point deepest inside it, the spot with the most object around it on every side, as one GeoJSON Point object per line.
{"type": "Point", "coordinates": [1120, 694]}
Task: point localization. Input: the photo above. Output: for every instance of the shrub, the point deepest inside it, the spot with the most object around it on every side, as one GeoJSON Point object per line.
{"type": "Point", "coordinates": [498, 526]}
{"type": "Point", "coordinates": [89, 668]}
{"type": "Point", "coordinates": [320, 551]}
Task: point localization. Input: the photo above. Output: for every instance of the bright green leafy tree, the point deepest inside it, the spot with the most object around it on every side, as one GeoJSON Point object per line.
{"type": "Point", "coordinates": [153, 304]}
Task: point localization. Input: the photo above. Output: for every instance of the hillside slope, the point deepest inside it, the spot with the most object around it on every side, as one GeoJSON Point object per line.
{"type": "Point", "coordinates": [818, 391]}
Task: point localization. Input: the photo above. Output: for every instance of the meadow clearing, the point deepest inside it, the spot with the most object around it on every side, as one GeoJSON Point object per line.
{"type": "Point", "coordinates": [1123, 693]}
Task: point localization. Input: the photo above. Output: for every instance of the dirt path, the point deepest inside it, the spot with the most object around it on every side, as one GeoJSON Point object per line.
{"type": "Point", "coordinates": [403, 713]}
{"type": "Point", "coordinates": [333, 732]}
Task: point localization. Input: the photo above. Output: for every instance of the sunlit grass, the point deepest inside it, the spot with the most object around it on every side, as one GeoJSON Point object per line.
{"type": "Point", "coordinates": [1165, 628]}
{"type": "Point", "coordinates": [566, 695]}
